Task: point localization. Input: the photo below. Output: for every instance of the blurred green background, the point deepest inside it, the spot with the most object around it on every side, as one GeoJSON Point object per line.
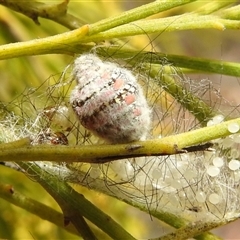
{"type": "Point", "coordinates": [19, 74]}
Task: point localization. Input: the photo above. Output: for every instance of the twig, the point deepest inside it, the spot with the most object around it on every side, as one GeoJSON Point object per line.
{"type": "Point", "coordinates": [74, 204]}
{"type": "Point", "coordinates": [193, 229]}
{"type": "Point", "coordinates": [35, 9]}
{"type": "Point", "coordinates": [104, 153]}
{"type": "Point", "coordinates": [8, 193]}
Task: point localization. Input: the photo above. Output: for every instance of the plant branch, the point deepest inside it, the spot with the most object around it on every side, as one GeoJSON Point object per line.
{"type": "Point", "coordinates": [136, 14]}
{"type": "Point", "coordinates": [60, 43]}
{"type": "Point", "coordinates": [195, 105]}
{"type": "Point", "coordinates": [8, 193]}
{"type": "Point", "coordinates": [207, 236]}
{"type": "Point", "coordinates": [35, 9]}
{"type": "Point", "coordinates": [16, 144]}
{"type": "Point", "coordinates": [176, 23]}
{"type": "Point", "coordinates": [69, 42]}
{"type": "Point", "coordinates": [104, 153]}
{"type": "Point", "coordinates": [213, 6]}
{"type": "Point", "coordinates": [192, 230]}
{"type": "Point", "coordinates": [231, 13]}
{"type": "Point", "coordinates": [199, 64]}
{"type": "Point", "coordinates": [74, 204]}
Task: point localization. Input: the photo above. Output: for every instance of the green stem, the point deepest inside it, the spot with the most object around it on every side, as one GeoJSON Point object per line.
{"type": "Point", "coordinates": [69, 42]}
{"type": "Point", "coordinates": [61, 43]}
{"type": "Point", "coordinates": [176, 23]}
{"type": "Point", "coordinates": [231, 13]}
{"type": "Point", "coordinates": [207, 236]}
{"type": "Point", "coordinates": [204, 64]}
{"type": "Point", "coordinates": [16, 144]}
{"type": "Point", "coordinates": [200, 64]}
{"type": "Point", "coordinates": [193, 230]}
{"type": "Point", "coordinates": [79, 223]}
{"type": "Point", "coordinates": [213, 6]}
{"type": "Point", "coordinates": [194, 104]}
{"type": "Point", "coordinates": [105, 153]}
{"type": "Point", "coordinates": [35, 9]}
{"type": "Point", "coordinates": [8, 193]}
{"type": "Point", "coordinates": [74, 204]}
{"type": "Point", "coordinates": [136, 14]}
{"type": "Point", "coordinates": [77, 176]}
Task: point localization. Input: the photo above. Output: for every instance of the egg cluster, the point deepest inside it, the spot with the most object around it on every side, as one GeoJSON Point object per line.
{"type": "Point", "coordinates": [187, 184]}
